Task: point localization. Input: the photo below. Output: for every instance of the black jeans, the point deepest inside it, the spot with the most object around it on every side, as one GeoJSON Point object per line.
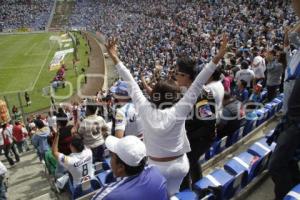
{"type": "Point", "coordinates": [98, 153]}
{"type": "Point", "coordinates": [283, 168]}
{"type": "Point", "coordinates": [11, 147]}
{"type": "Point", "coordinates": [199, 146]}
{"type": "Point", "coordinates": [272, 91]}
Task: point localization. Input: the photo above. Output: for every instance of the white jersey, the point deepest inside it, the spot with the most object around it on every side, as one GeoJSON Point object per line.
{"type": "Point", "coordinates": [79, 165]}
{"type": "Point", "coordinates": [246, 75]}
{"type": "Point", "coordinates": [260, 68]}
{"type": "Point", "coordinates": [128, 120]}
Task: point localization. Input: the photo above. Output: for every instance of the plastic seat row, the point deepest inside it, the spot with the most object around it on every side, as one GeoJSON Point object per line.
{"type": "Point", "coordinates": [294, 194]}
{"type": "Point", "coordinates": [235, 175]}
{"type": "Point", "coordinates": [263, 115]}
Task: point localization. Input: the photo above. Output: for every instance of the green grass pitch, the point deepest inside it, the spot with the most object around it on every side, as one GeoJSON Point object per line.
{"type": "Point", "coordinates": [24, 61]}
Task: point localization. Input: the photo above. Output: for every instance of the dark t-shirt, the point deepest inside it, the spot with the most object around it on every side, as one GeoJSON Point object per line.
{"type": "Point", "coordinates": [65, 138]}
{"type": "Point", "coordinates": [294, 103]}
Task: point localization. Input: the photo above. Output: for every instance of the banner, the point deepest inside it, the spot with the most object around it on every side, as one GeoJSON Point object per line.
{"type": "Point", "coordinates": [58, 58]}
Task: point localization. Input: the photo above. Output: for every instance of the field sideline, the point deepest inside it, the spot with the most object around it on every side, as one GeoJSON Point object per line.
{"type": "Point", "coordinates": [24, 61]}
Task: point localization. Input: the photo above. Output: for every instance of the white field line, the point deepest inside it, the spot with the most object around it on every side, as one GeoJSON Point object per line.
{"type": "Point", "coordinates": [41, 69]}
{"type": "Point", "coordinates": [38, 76]}
{"type": "Point", "coordinates": [30, 49]}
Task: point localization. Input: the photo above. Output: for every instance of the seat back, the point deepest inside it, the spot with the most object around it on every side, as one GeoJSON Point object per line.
{"type": "Point", "coordinates": [186, 195]}
{"type": "Point", "coordinates": [294, 194]}
{"type": "Point", "coordinates": [223, 143]}
{"type": "Point", "coordinates": [237, 184]}
{"type": "Point", "coordinates": [98, 167]}
{"type": "Point", "coordinates": [86, 187]}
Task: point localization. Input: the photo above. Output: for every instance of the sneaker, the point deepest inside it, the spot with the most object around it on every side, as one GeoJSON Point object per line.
{"type": "Point", "coordinates": [56, 188]}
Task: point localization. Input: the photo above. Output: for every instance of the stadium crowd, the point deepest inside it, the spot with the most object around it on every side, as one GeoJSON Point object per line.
{"type": "Point", "coordinates": [32, 14]}
{"type": "Point", "coordinates": [189, 73]}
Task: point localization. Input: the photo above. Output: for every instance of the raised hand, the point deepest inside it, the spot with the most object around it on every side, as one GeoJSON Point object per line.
{"type": "Point", "coordinates": [222, 50]}
{"type": "Point", "coordinates": [112, 49]}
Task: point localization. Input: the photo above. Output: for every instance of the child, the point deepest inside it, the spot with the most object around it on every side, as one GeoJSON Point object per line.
{"type": "Point", "coordinates": [242, 93]}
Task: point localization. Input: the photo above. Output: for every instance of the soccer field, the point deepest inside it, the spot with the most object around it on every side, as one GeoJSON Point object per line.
{"type": "Point", "coordinates": [24, 62]}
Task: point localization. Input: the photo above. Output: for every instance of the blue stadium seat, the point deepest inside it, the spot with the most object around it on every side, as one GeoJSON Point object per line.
{"type": "Point", "coordinates": [105, 177]}
{"type": "Point", "coordinates": [249, 126]}
{"type": "Point", "coordinates": [187, 195]}
{"type": "Point", "coordinates": [217, 147]}
{"type": "Point", "coordinates": [280, 96]}
{"type": "Point", "coordinates": [264, 94]}
{"type": "Point", "coordinates": [278, 103]}
{"type": "Point", "coordinates": [294, 194]}
{"type": "Point", "coordinates": [219, 179]}
{"type": "Point", "coordinates": [86, 187]}
{"type": "Point", "coordinates": [236, 136]}
{"type": "Point", "coordinates": [239, 172]}
{"type": "Point", "coordinates": [271, 109]}
{"type": "Point", "coordinates": [263, 150]}
{"type": "Point", "coordinates": [244, 161]}
{"type": "Point", "coordinates": [262, 115]}
{"type": "Point", "coordinates": [101, 166]}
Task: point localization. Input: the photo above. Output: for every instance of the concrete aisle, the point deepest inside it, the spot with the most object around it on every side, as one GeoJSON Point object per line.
{"type": "Point", "coordinates": [27, 179]}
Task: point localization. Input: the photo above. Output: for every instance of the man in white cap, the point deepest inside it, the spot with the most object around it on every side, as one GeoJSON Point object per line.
{"type": "Point", "coordinates": [134, 180]}
{"type": "Point", "coordinates": [126, 120]}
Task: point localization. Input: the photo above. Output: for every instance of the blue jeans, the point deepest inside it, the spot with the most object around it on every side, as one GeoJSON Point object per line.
{"type": "Point", "coordinates": [2, 188]}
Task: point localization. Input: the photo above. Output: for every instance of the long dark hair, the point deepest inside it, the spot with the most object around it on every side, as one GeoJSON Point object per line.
{"type": "Point", "coordinates": [165, 94]}
{"type": "Point", "coordinates": [282, 59]}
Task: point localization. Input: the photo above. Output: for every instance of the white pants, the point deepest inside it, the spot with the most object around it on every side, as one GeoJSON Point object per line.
{"type": "Point", "coordinates": [174, 171]}
{"type": "Point", "coordinates": [287, 90]}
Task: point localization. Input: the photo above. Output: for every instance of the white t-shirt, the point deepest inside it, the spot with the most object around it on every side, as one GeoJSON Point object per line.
{"type": "Point", "coordinates": [128, 120]}
{"type": "Point", "coordinates": [246, 75]}
{"type": "Point", "coordinates": [218, 91]}
{"type": "Point", "coordinates": [260, 68]}
{"type": "Point", "coordinates": [78, 164]}
{"type": "Point", "coordinates": [3, 169]}
{"type": "Point", "coordinates": [7, 133]}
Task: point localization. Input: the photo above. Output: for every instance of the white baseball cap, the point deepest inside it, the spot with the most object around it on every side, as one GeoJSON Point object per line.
{"type": "Point", "coordinates": [130, 149]}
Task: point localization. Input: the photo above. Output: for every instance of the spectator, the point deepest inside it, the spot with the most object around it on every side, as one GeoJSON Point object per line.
{"type": "Point", "coordinates": [27, 99]}
{"type": "Point", "coordinates": [231, 117]}
{"type": "Point", "coordinates": [65, 139]}
{"type": "Point", "coordinates": [3, 188]}
{"type": "Point", "coordinates": [39, 139]}
{"type": "Point", "coordinates": [245, 74]}
{"type": "Point", "coordinates": [242, 93]}
{"type": "Point", "coordinates": [259, 67]}
{"type": "Point", "coordinates": [135, 180]}
{"type": "Point", "coordinates": [256, 95]}
{"type": "Point", "coordinates": [283, 169]}
{"type": "Point", "coordinates": [8, 146]}
{"type": "Point", "coordinates": [227, 81]}
{"type": "Point", "coordinates": [215, 85]}
{"type": "Point", "coordinates": [165, 126]}
{"type": "Point", "coordinates": [200, 126]}
{"type": "Point", "coordinates": [274, 71]}
{"type": "Point", "coordinates": [18, 136]}
{"type": "Point", "coordinates": [92, 129]}
{"type": "Point", "coordinates": [127, 121]}
{"type": "Point", "coordinates": [79, 163]}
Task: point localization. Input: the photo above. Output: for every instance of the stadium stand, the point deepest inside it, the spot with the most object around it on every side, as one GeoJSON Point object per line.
{"type": "Point", "coordinates": [31, 15]}
{"type": "Point", "coordinates": [153, 36]}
